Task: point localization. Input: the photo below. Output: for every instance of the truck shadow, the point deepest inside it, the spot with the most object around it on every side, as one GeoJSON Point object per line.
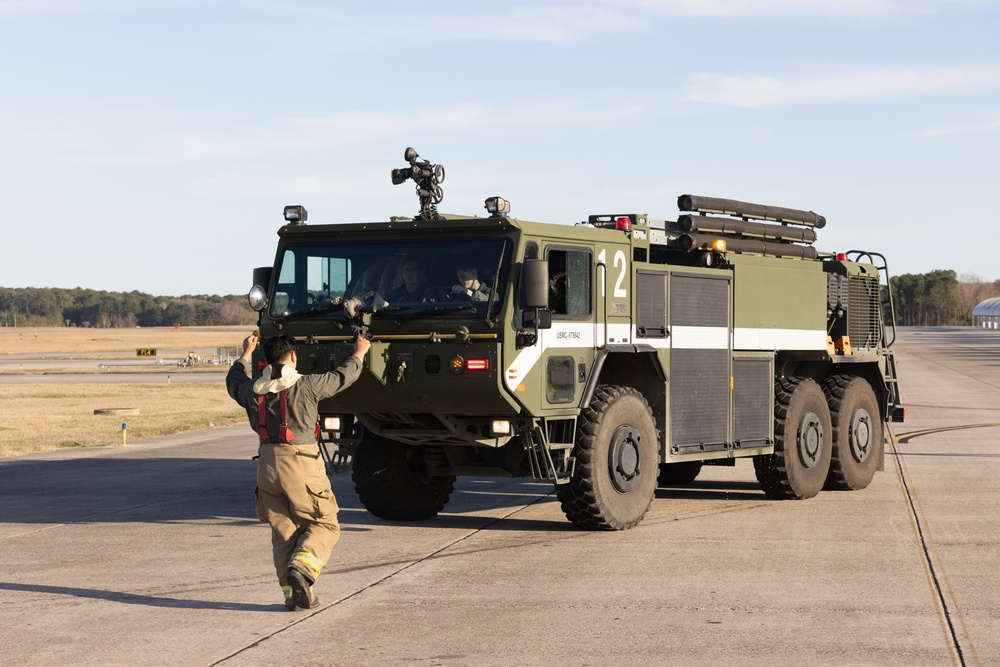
{"type": "Point", "coordinates": [172, 490]}
{"type": "Point", "coordinates": [713, 490]}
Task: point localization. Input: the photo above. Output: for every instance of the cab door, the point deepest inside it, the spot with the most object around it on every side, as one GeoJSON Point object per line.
{"type": "Point", "coordinates": [567, 349]}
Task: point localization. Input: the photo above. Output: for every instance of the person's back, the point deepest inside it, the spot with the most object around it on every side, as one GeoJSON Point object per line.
{"type": "Point", "coordinates": [293, 493]}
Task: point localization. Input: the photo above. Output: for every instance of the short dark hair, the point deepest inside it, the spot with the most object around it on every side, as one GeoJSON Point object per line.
{"type": "Point", "coordinates": [277, 347]}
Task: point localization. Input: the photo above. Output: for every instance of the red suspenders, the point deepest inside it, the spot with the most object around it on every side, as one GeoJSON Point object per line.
{"type": "Point", "coordinates": [284, 433]}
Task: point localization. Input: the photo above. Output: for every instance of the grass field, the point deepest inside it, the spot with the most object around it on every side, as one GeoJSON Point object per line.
{"type": "Point", "coordinates": [125, 341]}
{"type": "Point", "coordinates": [39, 417]}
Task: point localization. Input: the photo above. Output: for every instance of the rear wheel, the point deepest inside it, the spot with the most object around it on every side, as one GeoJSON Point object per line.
{"type": "Point", "coordinates": [857, 432]}
{"type": "Point", "coordinates": [616, 462]}
{"type": "Point", "coordinates": [679, 474]}
{"type": "Point", "coordinates": [390, 482]}
{"type": "Point", "coordinates": [799, 466]}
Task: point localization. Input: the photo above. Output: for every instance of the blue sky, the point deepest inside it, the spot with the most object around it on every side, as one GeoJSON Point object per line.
{"type": "Point", "coordinates": [151, 145]}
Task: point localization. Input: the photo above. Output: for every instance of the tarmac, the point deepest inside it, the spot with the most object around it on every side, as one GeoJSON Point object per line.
{"type": "Point", "coordinates": [151, 554]}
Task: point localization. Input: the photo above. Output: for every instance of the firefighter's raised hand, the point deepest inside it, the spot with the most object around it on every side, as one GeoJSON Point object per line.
{"type": "Point", "coordinates": [249, 344]}
{"type": "Point", "coordinates": [361, 347]}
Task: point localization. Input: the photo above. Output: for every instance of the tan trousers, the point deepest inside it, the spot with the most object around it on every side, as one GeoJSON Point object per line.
{"type": "Point", "coordinates": [294, 497]}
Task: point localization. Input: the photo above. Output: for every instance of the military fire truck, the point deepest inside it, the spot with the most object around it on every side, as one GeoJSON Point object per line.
{"type": "Point", "coordinates": [607, 357]}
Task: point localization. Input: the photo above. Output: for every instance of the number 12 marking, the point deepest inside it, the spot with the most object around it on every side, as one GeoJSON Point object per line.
{"type": "Point", "coordinates": [620, 260]}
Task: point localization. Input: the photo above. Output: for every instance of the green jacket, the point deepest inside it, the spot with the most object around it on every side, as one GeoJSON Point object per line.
{"type": "Point", "coordinates": [304, 394]}
{"type": "Point", "coordinates": [481, 293]}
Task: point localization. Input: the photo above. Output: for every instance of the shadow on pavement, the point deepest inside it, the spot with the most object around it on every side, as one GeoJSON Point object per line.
{"type": "Point", "coordinates": [126, 490]}
{"type": "Point", "coordinates": [131, 598]}
{"type": "Point", "coordinates": [713, 490]}
{"type": "Point", "coordinates": [171, 490]}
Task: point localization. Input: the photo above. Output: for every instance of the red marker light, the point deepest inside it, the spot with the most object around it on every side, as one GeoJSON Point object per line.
{"type": "Point", "coordinates": [623, 223]}
{"type": "Point", "coordinates": [841, 256]}
{"type": "Point", "coordinates": [477, 364]}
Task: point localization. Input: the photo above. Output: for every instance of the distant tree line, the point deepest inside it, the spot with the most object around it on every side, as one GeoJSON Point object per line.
{"type": "Point", "coordinates": [939, 298]}
{"type": "Point", "coordinates": [55, 307]}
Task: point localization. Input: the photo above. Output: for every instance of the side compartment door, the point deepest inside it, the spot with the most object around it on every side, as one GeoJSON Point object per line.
{"type": "Point", "coordinates": [700, 341]}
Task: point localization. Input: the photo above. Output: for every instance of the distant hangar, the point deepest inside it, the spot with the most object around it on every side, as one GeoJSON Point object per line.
{"type": "Point", "coordinates": [987, 313]}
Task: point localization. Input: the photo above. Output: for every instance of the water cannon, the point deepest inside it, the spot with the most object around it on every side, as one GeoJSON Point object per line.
{"type": "Point", "coordinates": [428, 178]}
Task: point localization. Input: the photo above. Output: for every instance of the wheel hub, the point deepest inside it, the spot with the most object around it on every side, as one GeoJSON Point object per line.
{"type": "Point", "coordinates": [810, 439]}
{"type": "Point", "coordinates": [861, 435]}
{"type": "Point", "coordinates": [625, 458]}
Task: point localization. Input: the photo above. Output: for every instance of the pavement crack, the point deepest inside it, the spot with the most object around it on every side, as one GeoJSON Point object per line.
{"type": "Point", "coordinates": [404, 568]}
{"type": "Point", "coordinates": [934, 578]}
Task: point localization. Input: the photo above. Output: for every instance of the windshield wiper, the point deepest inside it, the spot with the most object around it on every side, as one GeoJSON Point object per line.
{"type": "Point", "coordinates": [329, 306]}
{"type": "Point", "coordinates": [305, 314]}
{"type": "Point", "coordinates": [434, 311]}
{"type": "Point", "coordinates": [493, 287]}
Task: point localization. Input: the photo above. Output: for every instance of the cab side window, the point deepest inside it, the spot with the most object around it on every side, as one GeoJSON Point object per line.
{"type": "Point", "coordinates": [570, 282]}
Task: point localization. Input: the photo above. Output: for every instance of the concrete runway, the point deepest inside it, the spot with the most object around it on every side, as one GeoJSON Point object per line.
{"type": "Point", "coordinates": [107, 368]}
{"type": "Point", "coordinates": [150, 554]}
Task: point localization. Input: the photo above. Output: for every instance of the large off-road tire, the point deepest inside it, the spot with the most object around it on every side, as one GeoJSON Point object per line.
{"type": "Point", "coordinates": [387, 476]}
{"type": "Point", "coordinates": [679, 474]}
{"type": "Point", "coordinates": [803, 437]}
{"type": "Point", "coordinates": [857, 432]}
{"type": "Point", "coordinates": [616, 462]}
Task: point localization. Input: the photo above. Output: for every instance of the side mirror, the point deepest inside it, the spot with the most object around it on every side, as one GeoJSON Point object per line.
{"type": "Point", "coordinates": [535, 283]}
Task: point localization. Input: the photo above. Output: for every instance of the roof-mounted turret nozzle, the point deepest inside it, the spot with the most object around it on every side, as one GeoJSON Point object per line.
{"type": "Point", "coordinates": [428, 178]}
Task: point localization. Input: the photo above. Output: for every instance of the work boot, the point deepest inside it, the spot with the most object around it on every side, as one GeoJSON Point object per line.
{"type": "Point", "coordinates": [302, 595]}
{"type": "Point", "coordinates": [290, 606]}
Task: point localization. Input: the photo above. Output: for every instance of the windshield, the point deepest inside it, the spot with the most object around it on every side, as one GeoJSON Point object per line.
{"type": "Point", "coordinates": [395, 276]}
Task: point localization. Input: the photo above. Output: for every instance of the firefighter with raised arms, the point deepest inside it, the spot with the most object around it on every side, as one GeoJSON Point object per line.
{"type": "Point", "coordinates": [293, 493]}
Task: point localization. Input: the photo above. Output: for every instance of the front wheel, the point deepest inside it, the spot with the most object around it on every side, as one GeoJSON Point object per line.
{"type": "Point", "coordinates": [616, 462]}
{"type": "Point", "coordinates": [390, 483]}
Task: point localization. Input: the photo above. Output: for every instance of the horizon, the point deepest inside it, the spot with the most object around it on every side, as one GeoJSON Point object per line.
{"type": "Point", "coordinates": [151, 147]}
{"type": "Point", "coordinates": [963, 279]}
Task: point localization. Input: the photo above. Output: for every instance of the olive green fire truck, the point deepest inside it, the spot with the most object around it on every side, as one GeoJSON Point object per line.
{"type": "Point", "coordinates": [608, 357]}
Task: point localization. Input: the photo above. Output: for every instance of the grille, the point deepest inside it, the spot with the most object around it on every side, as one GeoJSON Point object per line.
{"type": "Point", "coordinates": [651, 304]}
{"type": "Point", "coordinates": [699, 397]}
{"type": "Point", "coordinates": [699, 302]}
{"type": "Point", "coordinates": [863, 312]}
{"type": "Point", "coordinates": [752, 400]}
{"type": "Point", "coordinates": [432, 364]}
